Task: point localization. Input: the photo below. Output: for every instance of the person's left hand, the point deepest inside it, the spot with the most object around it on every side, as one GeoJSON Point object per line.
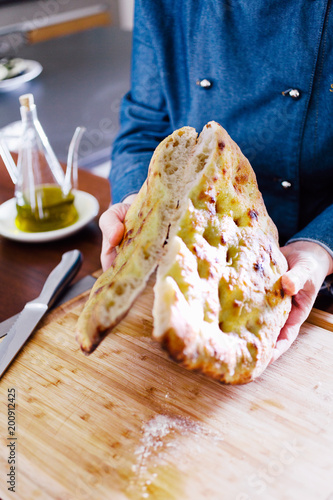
{"type": "Point", "coordinates": [309, 264]}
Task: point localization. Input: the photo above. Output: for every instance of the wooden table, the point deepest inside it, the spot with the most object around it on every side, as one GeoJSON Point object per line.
{"type": "Point", "coordinates": [25, 266]}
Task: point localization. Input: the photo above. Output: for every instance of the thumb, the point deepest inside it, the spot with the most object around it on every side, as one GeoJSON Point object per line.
{"type": "Point", "coordinates": [294, 280]}
{"type": "Point", "coordinates": [112, 224]}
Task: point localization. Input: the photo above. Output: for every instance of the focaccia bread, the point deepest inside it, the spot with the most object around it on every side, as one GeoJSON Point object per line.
{"type": "Point", "coordinates": [219, 304]}
{"type": "Point", "coordinates": [148, 223]}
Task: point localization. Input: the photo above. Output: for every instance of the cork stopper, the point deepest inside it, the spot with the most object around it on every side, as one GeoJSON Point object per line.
{"type": "Point", "coordinates": [27, 100]}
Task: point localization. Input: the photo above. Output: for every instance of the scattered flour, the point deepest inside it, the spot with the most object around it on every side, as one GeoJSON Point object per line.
{"type": "Point", "coordinates": [161, 440]}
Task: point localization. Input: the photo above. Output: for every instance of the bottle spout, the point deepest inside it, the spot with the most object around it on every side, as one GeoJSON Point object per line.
{"type": "Point", "coordinates": [71, 177]}
{"type": "Point", "coordinates": [8, 160]}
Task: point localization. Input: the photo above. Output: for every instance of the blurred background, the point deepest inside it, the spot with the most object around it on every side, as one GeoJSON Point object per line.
{"type": "Point", "coordinates": [77, 55]}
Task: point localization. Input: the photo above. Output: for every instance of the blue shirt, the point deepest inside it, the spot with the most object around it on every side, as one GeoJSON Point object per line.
{"type": "Point", "coordinates": [270, 65]}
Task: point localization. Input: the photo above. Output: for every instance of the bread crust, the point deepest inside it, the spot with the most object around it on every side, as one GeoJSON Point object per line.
{"type": "Point", "coordinates": [219, 303]}
{"type": "Point", "coordinates": [147, 227]}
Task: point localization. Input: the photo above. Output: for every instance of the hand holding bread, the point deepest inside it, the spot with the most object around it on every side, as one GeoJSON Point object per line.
{"type": "Point", "coordinates": [112, 226]}
{"type": "Point", "coordinates": [309, 264]}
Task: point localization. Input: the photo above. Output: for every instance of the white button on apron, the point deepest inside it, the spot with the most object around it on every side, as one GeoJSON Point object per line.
{"type": "Point", "coordinates": [286, 184]}
{"type": "Point", "coordinates": [293, 93]}
{"type": "Point", "coordinates": [205, 84]}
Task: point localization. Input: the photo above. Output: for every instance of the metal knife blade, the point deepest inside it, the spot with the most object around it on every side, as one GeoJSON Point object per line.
{"type": "Point", "coordinates": [33, 311]}
{"type": "Point", "coordinates": [71, 292]}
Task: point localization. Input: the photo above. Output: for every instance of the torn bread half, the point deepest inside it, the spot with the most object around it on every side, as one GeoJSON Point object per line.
{"type": "Point", "coordinates": [219, 304]}
{"type": "Point", "coordinates": [148, 223]}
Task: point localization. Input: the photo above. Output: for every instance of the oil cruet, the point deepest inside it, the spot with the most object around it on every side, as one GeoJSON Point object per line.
{"type": "Point", "coordinates": [43, 192]}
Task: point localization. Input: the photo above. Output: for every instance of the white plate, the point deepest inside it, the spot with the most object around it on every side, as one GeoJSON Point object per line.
{"type": "Point", "coordinates": [86, 205]}
{"type": "Point", "coordinates": [33, 69]}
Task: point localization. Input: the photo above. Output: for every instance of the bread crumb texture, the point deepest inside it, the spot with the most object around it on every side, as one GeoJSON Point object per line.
{"type": "Point", "coordinates": [219, 304]}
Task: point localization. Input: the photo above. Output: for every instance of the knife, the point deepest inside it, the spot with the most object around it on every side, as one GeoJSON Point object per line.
{"type": "Point", "coordinates": [34, 310]}
{"type": "Point", "coordinates": [71, 292]}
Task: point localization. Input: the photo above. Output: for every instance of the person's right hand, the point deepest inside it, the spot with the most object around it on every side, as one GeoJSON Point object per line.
{"type": "Point", "coordinates": [111, 223]}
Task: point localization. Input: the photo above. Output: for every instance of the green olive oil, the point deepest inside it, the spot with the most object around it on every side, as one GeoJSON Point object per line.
{"type": "Point", "coordinates": [52, 210]}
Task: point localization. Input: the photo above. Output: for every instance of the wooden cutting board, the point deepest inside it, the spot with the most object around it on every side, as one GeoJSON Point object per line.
{"type": "Point", "coordinates": [128, 423]}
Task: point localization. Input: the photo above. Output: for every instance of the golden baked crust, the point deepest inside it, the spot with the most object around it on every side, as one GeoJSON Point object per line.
{"type": "Point", "coordinates": [147, 226]}
{"type": "Point", "coordinates": [219, 304]}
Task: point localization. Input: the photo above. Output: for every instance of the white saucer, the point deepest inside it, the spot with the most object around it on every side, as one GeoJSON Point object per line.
{"type": "Point", "coordinates": [86, 205]}
{"type": "Point", "coordinates": [33, 69]}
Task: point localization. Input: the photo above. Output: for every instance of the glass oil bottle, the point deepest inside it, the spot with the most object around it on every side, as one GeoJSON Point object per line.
{"type": "Point", "coordinates": [42, 202]}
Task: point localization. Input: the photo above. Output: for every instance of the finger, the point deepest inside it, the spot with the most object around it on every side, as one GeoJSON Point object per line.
{"type": "Point", "coordinates": [294, 279]}
{"type": "Point", "coordinates": [108, 255]}
{"type": "Point", "coordinates": [111, 223]}
{"type": "Point", "coordinates": [112, 226]}
{"type": "Point", "coordinates": [287, 336]}
{"type": "Point", "coordinates": [298, 314]}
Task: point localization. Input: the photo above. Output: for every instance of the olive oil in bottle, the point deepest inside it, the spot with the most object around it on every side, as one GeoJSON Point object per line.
{"type": "Point", "coordinates": [50, 209]}
{"type": "Point", "coordinates": [43, 201]}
